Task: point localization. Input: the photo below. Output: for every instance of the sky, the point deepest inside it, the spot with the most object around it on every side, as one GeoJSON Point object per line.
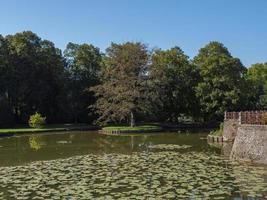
{"type": "Point", "coordinates": [241, 25]}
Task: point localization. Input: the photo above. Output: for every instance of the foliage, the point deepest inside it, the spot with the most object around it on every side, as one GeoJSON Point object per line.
{"type": "Point", "coordinates": [126, 83]}
{"type": "Point", "coordinates": [4, 57]}
{"type": "Point", "coordinates": [34, 75]}
{"type": "Point", "coordinates": [173, 79]}
{"type": "Point", "coordinates": [135, 128]}
{"type": "Point", "coordinates": [36, 120]}
{"type": "Point", "coordinates": [264, 116]}
{"type": "Point", "coordinates": [167, 172]}
{"type": "Point", "coordinates": [83, 68]}
{"type": "Point", "coordinates": [222, 81]}
{"type": "Point", "coordinates": [257, 79]}
{"type": "Point", "coordinates": [122, 92]}
{"type": "Point", "coordinates": [218, 132]}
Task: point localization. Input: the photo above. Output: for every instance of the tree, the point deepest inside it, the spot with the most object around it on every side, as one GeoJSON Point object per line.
{"type": "Point", "coordinates": [122, 93]}
{"type": "Point", "coordinates": [174, 80]}
{"type": "Point", "coordinates": [257, 78]}
{"type": "Point", "coordinates": [6, 115]}
{"type": "Point", "coordinates": [34, 76]}
{"type": "Point", "coordinates": [4, 54]}
{"type": "Point", "coordinates": [222, 80]}
{"type": "Point", "coordinates": [83, 65]}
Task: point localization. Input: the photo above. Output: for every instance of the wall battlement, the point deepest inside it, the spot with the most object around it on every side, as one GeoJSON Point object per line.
{"type": "Point", "coordinates": [233, 120]}
{"type": "Point", "coordinates": [248, 130]}
{"type": "Point", "coordinates": [246, 117]}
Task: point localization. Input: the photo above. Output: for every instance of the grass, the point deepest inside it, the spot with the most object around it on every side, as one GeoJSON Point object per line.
{"type": "Point", "coordinates": [135, 128]}
{"type": "Point", "coordinates": [216, 133]}
{"type": "Point", "coordinates": [46, 128]}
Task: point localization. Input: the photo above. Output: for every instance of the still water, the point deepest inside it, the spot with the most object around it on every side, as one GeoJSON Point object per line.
{"type": "Point", "coordinates": [88, 165]}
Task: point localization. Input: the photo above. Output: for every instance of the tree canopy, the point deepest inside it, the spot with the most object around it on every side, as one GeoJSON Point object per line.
{"type": "Point", "coordinates": [173, 79]}
{"type": "Point", "coordinates": [129, 82]}
{"type": "Point", "coordinates": [83, 68]}
{"type": "Point", "coordinates": [33, 75]}
{"type": "Point", "coordinates": [257, 77]}
{"type": "Point", "coordinates": [221, 80]}
{"type": "Point", "coordinates": [122, 93]}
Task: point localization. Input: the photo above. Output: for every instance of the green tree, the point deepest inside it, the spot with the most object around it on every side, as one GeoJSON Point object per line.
{"type": "Point", "coordinates": [222, 80]}
{"type": "Point", "coordinates": [83, 65]}
{"type": "Point", "coordinates": [6, 115]}
{"type": "Point", "coordinates": [122, 93]}
{"type": "Point", "coordinates": [34, 75]}
{"type": "Point", "coordinates": [4, 54]}
{"type": "Point", "coordinates": [257, 81]}
{"type": "Point", "coordinates": [174, 80]}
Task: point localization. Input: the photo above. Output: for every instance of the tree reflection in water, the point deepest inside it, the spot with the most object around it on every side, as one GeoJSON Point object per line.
{"type": "Point", "coordinates": [36, 142]}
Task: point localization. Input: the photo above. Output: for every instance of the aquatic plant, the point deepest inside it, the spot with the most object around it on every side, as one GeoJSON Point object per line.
{"type": "Point", "coordinates": [165, 174]}
{"type": "Point", "coordinates": [169, 146]}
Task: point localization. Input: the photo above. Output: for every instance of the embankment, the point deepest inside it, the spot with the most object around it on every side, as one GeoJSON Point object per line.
{"type": "Point", "coordinates": [251, 144]}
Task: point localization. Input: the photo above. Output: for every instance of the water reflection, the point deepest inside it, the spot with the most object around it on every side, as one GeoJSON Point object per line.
{"type": "Point", "coordinates": [101, 163]}
{"type": "Point", "coordinates": [224, 147]}
{"type": "Point", "coordinates": [36, 142]}
{"type": "Point", "coordinates": [28, 148]}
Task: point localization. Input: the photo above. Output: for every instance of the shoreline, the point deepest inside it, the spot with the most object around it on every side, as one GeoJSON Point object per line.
{"type": "Point", "coordinates": [161, 128]}
{"type": "Point", "coordinates": [13, 132]}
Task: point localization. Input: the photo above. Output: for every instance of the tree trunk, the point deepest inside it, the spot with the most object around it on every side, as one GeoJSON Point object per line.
{"type": "Point", "coordinates": [132, 120]}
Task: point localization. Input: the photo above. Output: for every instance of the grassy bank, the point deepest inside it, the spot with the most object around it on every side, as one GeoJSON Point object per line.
{"type": "Point", "coordinates": [125, 129]}
{"type": "Point", "coordinates": [46, 128]}
{"type": "Point", "coordinates": [217, 132]}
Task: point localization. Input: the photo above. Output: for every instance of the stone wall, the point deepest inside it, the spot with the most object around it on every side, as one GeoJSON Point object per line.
{"type": "Point", "coordinates": [230, 129]}
{"type": "Point", "coordinates": [250, 144]}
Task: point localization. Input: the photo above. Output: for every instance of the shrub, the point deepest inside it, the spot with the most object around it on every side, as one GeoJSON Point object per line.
{"type": "Point", "coordinates": [37, 120]}
{"type": "Point", "coordinates": [264, 117]}
{"type": "Point", "coordinates": [218, 132]}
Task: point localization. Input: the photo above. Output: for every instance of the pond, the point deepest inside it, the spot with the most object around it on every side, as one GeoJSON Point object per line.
{"type": "Point", "coordinates": [88, 165]}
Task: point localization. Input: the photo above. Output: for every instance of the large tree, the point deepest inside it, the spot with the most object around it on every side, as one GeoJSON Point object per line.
{"type": "Point", "coordinates": [122, 93]}
{"type": "Point", "coordinates": [33, 76]}
{"type": "Point", "coordinates": [257, 83]}
{"type": "Point", "coordinates": [83, 66]}
{"type": "Point", "coordinates": [174, 80]}
{"type": "Point", "coordinates": [3, 63]}
{"type": "Point", "coordinates": [6, 116]}
{"type": "Point", "coordinates": [222, 80]}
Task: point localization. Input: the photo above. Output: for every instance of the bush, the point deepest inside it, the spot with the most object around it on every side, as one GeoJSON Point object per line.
{"type": "Point", "coordinates": [218, 132]}
{"type": "Point", "coordinates": [36, 120]}
{"type": "Point", "coordinates": [264, 117]}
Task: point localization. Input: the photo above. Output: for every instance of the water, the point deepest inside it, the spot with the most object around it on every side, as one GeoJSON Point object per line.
{"type": "Point", "coordinates": [88, 165]}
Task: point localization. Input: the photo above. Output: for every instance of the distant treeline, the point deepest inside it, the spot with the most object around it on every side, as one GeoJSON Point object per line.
{"type": "Point", "coordinates": [127, 82]}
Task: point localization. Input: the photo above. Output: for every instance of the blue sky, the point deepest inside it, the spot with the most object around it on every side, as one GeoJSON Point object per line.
{"type": "Point", "coordinates": [240, 24]}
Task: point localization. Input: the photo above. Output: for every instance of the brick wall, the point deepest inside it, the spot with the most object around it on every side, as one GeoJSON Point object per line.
{"type": "Point", "coordinates": [246, 117]}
